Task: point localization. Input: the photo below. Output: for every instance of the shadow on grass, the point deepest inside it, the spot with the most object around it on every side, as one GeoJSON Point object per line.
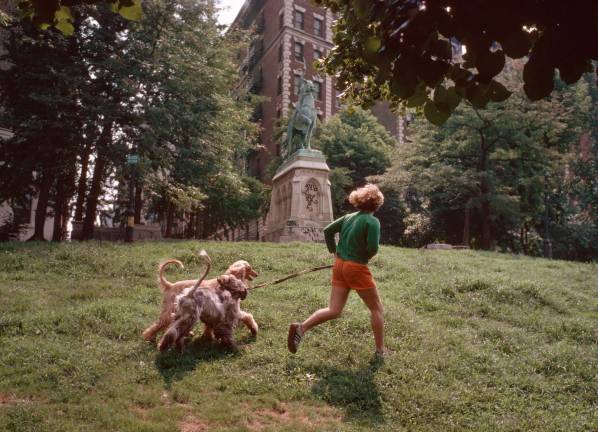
{"type": "Point", "coordinates": [174, 365]}
{"type": "Point", "coordinates": [352, 390]}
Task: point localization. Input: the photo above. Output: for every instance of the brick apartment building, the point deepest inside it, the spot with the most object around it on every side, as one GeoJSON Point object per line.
{"type": "Point", "coordinates": [289, 35]}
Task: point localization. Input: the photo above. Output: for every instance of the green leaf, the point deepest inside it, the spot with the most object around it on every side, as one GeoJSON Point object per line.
{"type": "Point", "coordinates": [63, 14]}
{"type": "Point", "coordinates": [434, 115]}
{"type": "Point", "coordinates": [419, 98]}
{"type": "Point", "coordinates": [65, 27]}
{"type": "Point", "coordinates": [373, 44]}
{"type": "Point", "coordinates": [517, 44]}
{"type": "Point", "coordinates": [477, 94]}
{"type": "Point", "coordinates": [489, 64]}
{"type": "Point", "coordinates": [114, 6]}
{"type": "Point", "coordinates": [133, 13]}
{"type": "Point", "coordinates": [538, 76]}
{"type": "Point", "coordinates": [572, 70]}
{"type": "Point", "coordinates": [453, 98]}
{"type": "Point", "coordinates": [498, 92]}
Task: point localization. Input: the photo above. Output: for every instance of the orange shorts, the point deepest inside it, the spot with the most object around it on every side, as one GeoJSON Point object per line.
{"type": "Point", "coordinates": [349, 274]}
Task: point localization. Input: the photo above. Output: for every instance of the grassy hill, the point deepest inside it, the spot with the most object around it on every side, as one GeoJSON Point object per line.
{"type": "Point", "coordinates": [481, 341]}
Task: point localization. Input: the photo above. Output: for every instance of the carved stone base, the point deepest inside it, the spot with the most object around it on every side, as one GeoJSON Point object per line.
{"type": "Point", "coordinates": [301, 204]}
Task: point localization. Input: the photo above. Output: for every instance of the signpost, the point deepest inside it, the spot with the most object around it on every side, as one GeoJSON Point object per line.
{"type": "Point", "coordinates": [132, 161]}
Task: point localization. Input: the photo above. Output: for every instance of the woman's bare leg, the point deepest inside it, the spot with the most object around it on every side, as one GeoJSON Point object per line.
{"type": "Point", "coordinates": [372, 300]}
{"type": "Point", "coordinates": [338, 299]}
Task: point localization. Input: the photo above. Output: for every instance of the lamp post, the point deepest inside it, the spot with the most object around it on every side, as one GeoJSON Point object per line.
{"type": "Point", "coordinates": [132, 161]}
{"type": "Point", "coordinates": [547, 243]}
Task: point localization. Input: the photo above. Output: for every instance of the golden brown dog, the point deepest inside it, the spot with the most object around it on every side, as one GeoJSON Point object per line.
{"type": "Point", "coordinates": [242, 270]}
{"type": "Point", "coordinates": [217, 308]}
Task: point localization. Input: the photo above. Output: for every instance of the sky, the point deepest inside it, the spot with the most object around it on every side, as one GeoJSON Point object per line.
{"type": "Point", "coordinates": [230, 10]}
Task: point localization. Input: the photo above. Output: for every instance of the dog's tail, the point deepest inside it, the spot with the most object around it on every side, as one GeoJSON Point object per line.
{"type": "Point", "coordinates": [164, 284]}
{"type": "Point", "coordinates": [203, 254]}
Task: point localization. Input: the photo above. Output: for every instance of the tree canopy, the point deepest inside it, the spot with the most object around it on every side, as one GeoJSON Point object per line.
{"type": "Point", "coordinates": [58, 13]}
{"type": "Point", "coordinates": [480, 179]}
{"type": "Point", "coordinates": [403, 50]}
{"type": "Point", "coordinates": [159, 88]}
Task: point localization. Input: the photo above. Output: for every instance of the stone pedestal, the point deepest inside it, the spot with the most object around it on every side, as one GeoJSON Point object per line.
{"type": "Point", "coordinates": [301, 203]}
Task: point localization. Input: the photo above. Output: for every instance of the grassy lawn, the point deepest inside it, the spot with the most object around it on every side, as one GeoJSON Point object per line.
{"type": "Point", "coordinates": [481, 341]}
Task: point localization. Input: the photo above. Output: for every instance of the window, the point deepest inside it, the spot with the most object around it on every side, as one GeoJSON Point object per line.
{"type": "Point", "coordinates": [281, 20]}
{"type": "Point", "coordinates": [279, 85]}
{"type": "Point", "coordinates": [299, 51]}
{"type": "Point", "coordinates": [280, 52]}
{"type": "Point", "coordinates": [298, 19]}
{"type": "Point", "coordinates": [318, 27]}
{"type": "Point", "coordinates": [318, 86]}
{"type": "Point", "coordinates": [317, 54]}
{"type": "Point", "coordinates": [296, 84]}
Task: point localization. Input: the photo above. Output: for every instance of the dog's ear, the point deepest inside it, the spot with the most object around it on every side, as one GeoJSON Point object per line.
{"type": "Point", "coordinates": [250, 272]}
{"type": "Point", "coordinates": [223, 280]}
{"type": "Point", "coordinates": [238, 271]}
{"type": "Point", "coordinates": [234, 285]}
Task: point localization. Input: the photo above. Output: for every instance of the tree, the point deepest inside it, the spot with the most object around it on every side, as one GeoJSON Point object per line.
{"type": "Point", "coordinates": [480, 178]}
{"type": "Point", "coordinates": [41, 96]}
{"type": "Point", "coordinates": [402, 51]}
{"type": "Point", "coordinates": [159, 87]}
{"type": "Point", "coordinates": [356, 147]}
{"type": "Point", "coordinates": [198, 131]}
{"type": "Point", "coordinates": [59, 13]}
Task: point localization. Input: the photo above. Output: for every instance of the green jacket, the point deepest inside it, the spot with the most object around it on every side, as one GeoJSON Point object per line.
{"type": "Point", "coordinates": [359, 237]}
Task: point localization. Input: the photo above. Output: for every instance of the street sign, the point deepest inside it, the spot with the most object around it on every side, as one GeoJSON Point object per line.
{"type": "Point", "coordinates": [132, 159]}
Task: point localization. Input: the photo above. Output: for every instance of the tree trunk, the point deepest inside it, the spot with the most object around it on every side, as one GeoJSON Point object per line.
{"type": "Point", "coordinates": [93, 198]}
{"type": "Point", "coordinates": [466, 227]}
{"type": "Point", "coordinates": [82, 184]}
{"type": "Point", "coordinates": [198, 224]}
{"type": "Point", "coordinates": [191, 225]}
{"type": "Point", "coordinates": [42, 208]}
{"type": "Point", "coordinates": [65, 187]}
{"type": "Point", "coordinates": [169, 220]}
{"type": "Point", "coordinates": [99, 169]}
{"type": "Point", "coordinates": [486, 232]}
{"type": "Point", "coordinates": [526, 232]}
{"type": "Point", "coordinates": [57, 234]}
{"type": "Point", "coordinates": [484, 192]}
{"type": "Point", "coordinates": [138, 202]}
{"type": "Point", "coordinates": [65, 219]}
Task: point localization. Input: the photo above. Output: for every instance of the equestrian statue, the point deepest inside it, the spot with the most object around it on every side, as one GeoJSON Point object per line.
{"type": "Point", "coordinates": [303, 121]}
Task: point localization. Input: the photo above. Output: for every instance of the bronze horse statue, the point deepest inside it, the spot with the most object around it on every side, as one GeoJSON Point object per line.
{"type": "Point", "coordinates": [303, 121]}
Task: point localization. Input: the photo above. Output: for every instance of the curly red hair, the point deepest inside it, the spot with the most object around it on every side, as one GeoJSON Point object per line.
{"type": "Point", "coordinates": [367, 198]}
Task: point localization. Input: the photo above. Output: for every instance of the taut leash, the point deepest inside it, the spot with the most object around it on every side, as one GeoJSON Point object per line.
{"type": "Point", "coordinates": [294, 275]}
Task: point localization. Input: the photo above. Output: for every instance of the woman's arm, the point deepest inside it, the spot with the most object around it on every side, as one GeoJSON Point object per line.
{"type": "Point", "coordinates": [329, 232]}
{"type": "Point", "coordinates": [373, 238]}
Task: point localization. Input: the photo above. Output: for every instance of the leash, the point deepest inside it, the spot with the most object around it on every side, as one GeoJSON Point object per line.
{"type": "Point", "coordinates": [291, 276]}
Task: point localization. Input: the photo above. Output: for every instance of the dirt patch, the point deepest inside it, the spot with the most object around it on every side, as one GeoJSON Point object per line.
{"type": "Point", "coordinates": [308, 417]}
{"type": "Point", "coordinates": [11, 400]}
{"type": "Point", "coordinates": [192, 424]}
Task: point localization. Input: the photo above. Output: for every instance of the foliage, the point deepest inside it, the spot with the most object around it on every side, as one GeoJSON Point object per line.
{"type": "Point", "coordinates": [59, 14]}
{"type": "Point", "coordinates": [402, 51]}
{"type": "Point", "coordinates": [354, 139]}
{"type": "Point", "coordinates": [357, 146]}
{"type": "Point", "coordinates": [481, 341]}
{"type": "Point", "coordinates": [158, 87]}
{"type": "Point", "coordinates": [480, 178]}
